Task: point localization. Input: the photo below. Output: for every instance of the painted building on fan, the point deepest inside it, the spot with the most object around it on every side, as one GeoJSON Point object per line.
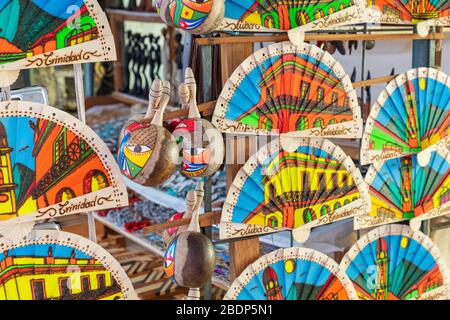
{"type": "Point", "coordinates": [419, 10]}
{"type": "Point", "coordinates": [68, 166]}
{"type": "Point", "coordinates": [323, 185]}
{"type": "Point", "coordinates": [32, 277]}
{"type": "Point", "coordinates": [7, 185]}
{"type": "Point", "coordinates": [291, 13]}
{"type": "Point", "coordinates": [304, 98]}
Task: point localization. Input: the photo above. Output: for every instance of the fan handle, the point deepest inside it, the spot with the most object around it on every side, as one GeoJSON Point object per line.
{"type": "Point", "coordinates": [301, 234]}
{"type": "Point", "coordinates": [7, 78]}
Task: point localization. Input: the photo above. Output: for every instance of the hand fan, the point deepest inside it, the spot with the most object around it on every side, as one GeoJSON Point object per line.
{"type": "Point", "coordinates": [415, 186]}
{"type": "Point", "coordinates": [51, 164]}
{"type": "Point", "coordinates": [312, 184]}
{"type": "Point", "coordinates": [57, 265]}
{"type": "Point", "coordinates": [263, 16]}
{"type": "Point", "coordinates": [292, 274]}
{"type": "Point", "coordinates": [393, 262]}
{"type": "Point", "coordinates": [285, 88]}
{"type": "Point", "coordinates": [190, 258]}
{"type": "Point", "coordinates": [435, 12]}
{"type": "Point", "coordinates": [148, 153]}
{"type": "Point", "coordinates": [201, 144]}
{"type": "Point", "coordinates": [412, 113]}
{"type": "Point", "coordinates": [43, 33]}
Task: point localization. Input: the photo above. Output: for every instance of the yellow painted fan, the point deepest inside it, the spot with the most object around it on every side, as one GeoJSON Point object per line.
{"type": "Point", "coordinates": [42, 33]}
{"type": "Point", "coordinates": [393, 262]}
{"type": "Point", "coordinates": [262, 16]}
{"type": "Point", "coordinates": [51, 165]}
{"type": "Point", "coordinates": [293, 184]}
{"type": "Point", "coordinates": [289, 89]}
{"type": "Point", "coordinates": [56, 265]}
{"type": "Point", "coordinates": [292, 274]}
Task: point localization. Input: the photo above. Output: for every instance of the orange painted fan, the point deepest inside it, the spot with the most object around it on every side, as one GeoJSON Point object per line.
{"type": "Point", "coordinates": [51, 165]}
{"type": "Point", "coordinates": [56, 265]}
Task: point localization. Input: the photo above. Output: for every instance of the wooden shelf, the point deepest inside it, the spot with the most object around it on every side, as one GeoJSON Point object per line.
{"type": "Point", "coordinates": [138, 16]}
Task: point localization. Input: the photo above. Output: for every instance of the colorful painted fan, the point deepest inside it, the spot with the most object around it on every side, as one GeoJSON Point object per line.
{"type": "Point", "coordinates": [56, 265]}
{"type": "Point", "coordinates": [263, 16]}
{"type": "Point", "coordinates": [284, 88]}
{"type": "Point", "coordinates": [412, 113]}
{"type": "Point", "coordinates": [51, 164]}
{"type": "Point", "coordinates": [393, 262]}
{"type": "Point", "coordinates": [42, 33]}
{"type": "Point", "coordinates": [306, 184]}
{"type": "Point", "coordinates": [413, 187]}
{"type": "Point", "coordinates": [436, 12]}
{"type": "Point", "coordinates": [292, 274]}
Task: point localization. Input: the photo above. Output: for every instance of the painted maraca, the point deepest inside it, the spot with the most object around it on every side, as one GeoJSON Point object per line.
{"type": "Point", "coordinates": [148, 153]}
{"type": "Point", "coordinates": [201, 144]}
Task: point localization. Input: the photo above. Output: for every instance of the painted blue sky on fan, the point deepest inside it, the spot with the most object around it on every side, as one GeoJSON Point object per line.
{"type": "Point", "coordinates": [389, 174]}
{"type": "Point", "coordinates": [435, 94]}
{"type": "Point", "coordinates": [307, 272]}
{"type": "Point", "coordinates": [235, 10]}
{"type": "Point", "coordinates": [252, 192]}
{"type": "Point", "coordinates": [41, 250]}
{"type": "Point", "coordinates": [364, 263]}
{"type": "Point", "coordinates": [248, 93]}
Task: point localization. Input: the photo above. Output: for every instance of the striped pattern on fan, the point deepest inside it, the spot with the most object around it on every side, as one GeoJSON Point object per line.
{"type": "Point", "coordinates": [284, 88]}
{"type": "Point", "coordinates": [42, 33]}
{"type": "Point", "coordinates": [292, 274]}
{"type": "Point", "coordinates": [57, 265]}
{"type": "Point", "coordinates": [411, 114]}
{"type": "Point", "coordinates": [52, 165]}
{"type": "Point", "coordinates": [409, 11]}
{"type": "Point", "coordinates": [259, 16]}
{"type": "Point", "coordinates": [413, 187]}
{"type": "Point", "coordinates": [393, 262]}
{"type": "Point", "coordinates": [315, 184]}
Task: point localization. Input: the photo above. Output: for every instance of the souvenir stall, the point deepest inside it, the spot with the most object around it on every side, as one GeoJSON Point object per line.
{"type": "Point", "coordinates": [243, 150]}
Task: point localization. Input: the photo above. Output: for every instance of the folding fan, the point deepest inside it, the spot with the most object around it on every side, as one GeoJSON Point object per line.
{"type": "Point", "coordinates": [285, 88]}
{"type": "Point", "coordinates": [312, 184]}
{"type": "Point", "coordinates": [292, 274]}
{"type": "Point", "coordinates": [42, 33]}
{"type": "Point", "coordinates": [410, 11]}
{"type": "Point", "coordinates": [413, 187]}
{"type": "Point", "coordinates": [393, 262]}
{"type": "Point", "coordinates": [264, 16]}
{"type": "Point", "coordinates": [56, 265]}
{"type": "Point", "coordinates": [412, 113]}
{"type": "Point", "coordinates": [51, 165]}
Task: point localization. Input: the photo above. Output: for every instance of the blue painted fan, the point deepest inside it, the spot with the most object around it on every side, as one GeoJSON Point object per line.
{"type": "Point", "coordinates": [411, 114]}
{"type": "Point", "coordinates": [395, 263]}
{"type": "Point", "coordinates": [292, 274]}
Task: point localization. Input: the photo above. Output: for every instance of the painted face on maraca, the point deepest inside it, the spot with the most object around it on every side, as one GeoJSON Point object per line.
{"type": "Point", "coordinates": [189, 15]}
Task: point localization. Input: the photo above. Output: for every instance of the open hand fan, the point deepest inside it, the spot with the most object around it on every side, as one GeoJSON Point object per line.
{"type": "Point", "coordinates": [393, 262]}
{"type": "Point", "coordinates": [42, 33]}
{"type": "Point", "coordinates": [263, 16]}
{"type": "Point", "coordinates": [56, 265]}
{"type": "Point", "coordinates": [285, 88]}
{"type": "Point", "coordinates": [51, 164]}
{"type": "Point", "coordinates": [412, 113]}
{"type": "Point", "coordinates": [415, 186]}
{"type": "Point", "coordinates": [410, 11]}
{"type": "Point", "coordinates": [312, 184]}
{"type": "Point", "coordinates": [292, 274]}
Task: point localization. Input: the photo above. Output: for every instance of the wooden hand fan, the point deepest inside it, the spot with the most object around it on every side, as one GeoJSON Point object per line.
{"type": "Point", "coordinates": [393, 262]}
{"type": "Point", "coordinates": [51, 164]}
{"type": "Point", "coordinates": [413, 187]}
{"type": "Point", "coordinates": [430, 12]}
{"type": "Point", "coordinates": [284, 88]}
{"type": "Point", "coordinates": [292, 274]}
{"type": "Point", "coordinates": [314, 184]}
{"type": "Point", "coordinates": [148, 153]}
{"type": "Point", "coordinates": [190, 258]}
{"type": "Point", "coordinates": [43, 33]}
{"type": "Point", "coordinates": [412, 113]}
{"type": "Point", "coordinates": [259, 16]}
{"type": "Point", "coordinates": [201, 144]}
{"type": "Point", "coordinates": [56, 265]}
